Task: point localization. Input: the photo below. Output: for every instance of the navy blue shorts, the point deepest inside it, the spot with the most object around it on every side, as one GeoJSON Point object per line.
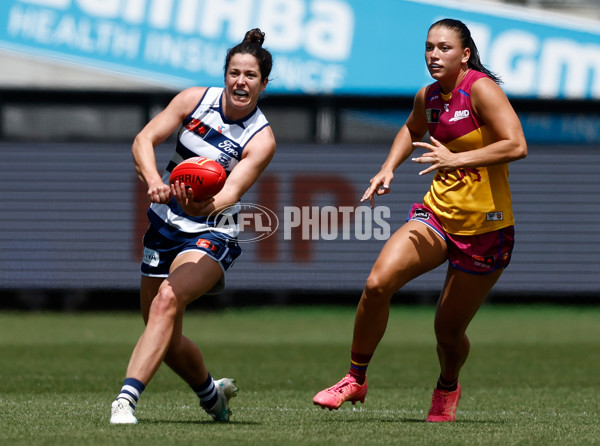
{"type": "Point", "coordinates": [160, 251]}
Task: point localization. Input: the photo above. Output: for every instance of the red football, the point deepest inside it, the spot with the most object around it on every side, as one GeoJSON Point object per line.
{"type": "Point", "coordinates": [205, 176]}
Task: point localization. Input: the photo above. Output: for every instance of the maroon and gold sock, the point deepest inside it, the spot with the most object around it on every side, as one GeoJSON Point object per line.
{"type": "Point", "coordinates": [358, 366]}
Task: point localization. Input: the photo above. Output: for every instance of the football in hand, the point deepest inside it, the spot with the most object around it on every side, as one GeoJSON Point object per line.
{"type": "Point", "coordinates": [204, 176]}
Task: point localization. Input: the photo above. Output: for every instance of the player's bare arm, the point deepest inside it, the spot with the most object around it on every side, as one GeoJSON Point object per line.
{"type": "Point", "coordinates": [154, 133]}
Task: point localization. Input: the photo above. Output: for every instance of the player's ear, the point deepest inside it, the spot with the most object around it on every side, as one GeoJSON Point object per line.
{"type": "Point", "coordinates": [466, 55]}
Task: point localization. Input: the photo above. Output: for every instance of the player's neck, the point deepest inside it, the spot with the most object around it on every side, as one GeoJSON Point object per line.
{"type": "Point", "coordinates": [448, 88]}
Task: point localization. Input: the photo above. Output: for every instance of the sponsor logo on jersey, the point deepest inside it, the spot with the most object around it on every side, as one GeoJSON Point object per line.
{"type": "Point", "coordinates": [215, 137]}
{"type": "Point", "coordinates": [460, 114]}
{"type": "Point", "coordinates": [495, 216]}
{"type": "Point", "coordinates": [229, 147]}
{"type": "Point", "coordinates": [484, 260]}
{"type": "Point", "coordinates": [151, 257]}
{"type": "Point", "coordinates": [198, 127]}
{"type": "Point", "coordinates": [207, 244]}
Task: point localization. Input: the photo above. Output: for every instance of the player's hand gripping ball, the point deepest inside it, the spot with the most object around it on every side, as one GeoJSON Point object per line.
{"type": "Point", "coordinates": [205, 176]}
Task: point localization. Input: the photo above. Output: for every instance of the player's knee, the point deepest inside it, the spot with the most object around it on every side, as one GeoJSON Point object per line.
{"type": "Point", "coordinates": [165, 304]}
{"type": "Point", "coordinates": [377, 289]}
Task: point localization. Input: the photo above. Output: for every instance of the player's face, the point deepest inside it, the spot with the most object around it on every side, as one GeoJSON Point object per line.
{"type": "Point", "coordinates": [243, 84]}
{"type": "Point", "coordinates": [444, 53]}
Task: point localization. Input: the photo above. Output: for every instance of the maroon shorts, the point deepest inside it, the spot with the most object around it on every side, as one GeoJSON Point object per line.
{"type": "Point", "coordinates": [477, 254]}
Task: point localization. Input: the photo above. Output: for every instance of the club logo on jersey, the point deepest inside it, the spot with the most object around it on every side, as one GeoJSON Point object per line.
{"type": "Point", "coordinates": [433, 115]}
{"type": "Point", "coordinates": [224, 160]}
{"type": "Point", "coordinates": [495, 216]}
{"type": "Point", "coordinates": [460, 114]}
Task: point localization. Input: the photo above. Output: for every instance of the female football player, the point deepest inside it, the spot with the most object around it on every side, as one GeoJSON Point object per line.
{"type": "Point", "coordinates": [186, 253]}
{"type": "Point", "coordinates": [465, 218]}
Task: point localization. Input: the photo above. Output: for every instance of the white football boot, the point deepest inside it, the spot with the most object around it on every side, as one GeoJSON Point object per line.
{"type": "Point", "coordinates": [122, 413]}
{"type": "Point", "coordinates": [226, 389]}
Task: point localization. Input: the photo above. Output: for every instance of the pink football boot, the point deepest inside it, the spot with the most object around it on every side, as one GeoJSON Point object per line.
{"type": "Point", "coordinates": [346, 390]}
{"type": "Point", "coordinates": [443, 405]}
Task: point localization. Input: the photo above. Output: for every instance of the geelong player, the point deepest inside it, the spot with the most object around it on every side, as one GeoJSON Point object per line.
{"type": "Point", "coordinates": [186, 254]}
{"type": "Point", "coordinates": [466, 216]}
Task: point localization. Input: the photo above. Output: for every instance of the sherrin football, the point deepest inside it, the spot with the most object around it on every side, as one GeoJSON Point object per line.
{"type": "Point", "coordinates": [206, 177]}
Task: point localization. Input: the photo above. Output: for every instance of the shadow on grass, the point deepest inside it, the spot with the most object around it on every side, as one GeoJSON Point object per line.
{"type": "Point", "coordinates": [199, 422]}
{"type": "Point", "coordinates": [457, 422]}
{"type": "Point", "coordinates": [375, 419]}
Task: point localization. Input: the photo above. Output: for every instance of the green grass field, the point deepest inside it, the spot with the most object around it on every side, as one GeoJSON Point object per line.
{"type": "Point", "coordinates": [533, 378]}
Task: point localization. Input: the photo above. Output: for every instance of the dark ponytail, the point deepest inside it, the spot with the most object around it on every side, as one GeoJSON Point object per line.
{"type": "Point", "coordinates": [467, 42]}
{"type": "Point", "coordinates": [252, 44]}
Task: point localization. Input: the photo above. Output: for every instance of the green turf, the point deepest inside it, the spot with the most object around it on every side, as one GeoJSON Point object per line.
{"type": "Point", "coordinates": [533, 378]}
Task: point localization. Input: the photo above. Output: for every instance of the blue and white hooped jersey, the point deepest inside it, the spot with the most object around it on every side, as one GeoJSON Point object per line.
{"type": "Point", "coordinates": [206, 132]}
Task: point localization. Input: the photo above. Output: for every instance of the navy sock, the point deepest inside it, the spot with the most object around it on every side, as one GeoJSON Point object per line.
{"type": "Point", "coordinates": [131, 391]}
{"type": "Point", "coordinates": [207, 392]}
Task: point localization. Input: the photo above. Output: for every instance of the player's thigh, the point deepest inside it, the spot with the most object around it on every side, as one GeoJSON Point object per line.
{"type": "Point", "coordinates": [149, 287]}
{"type": "Point", "coordinates": [192, 274]}
{"type": "Point", "coordinates": [462, 296]}
{"type": "Point", "coordinates": [411, 251]}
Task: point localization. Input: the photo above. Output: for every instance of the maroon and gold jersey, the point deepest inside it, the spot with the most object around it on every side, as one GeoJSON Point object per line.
{"type": "Point", "coordinates": [467, 200]}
